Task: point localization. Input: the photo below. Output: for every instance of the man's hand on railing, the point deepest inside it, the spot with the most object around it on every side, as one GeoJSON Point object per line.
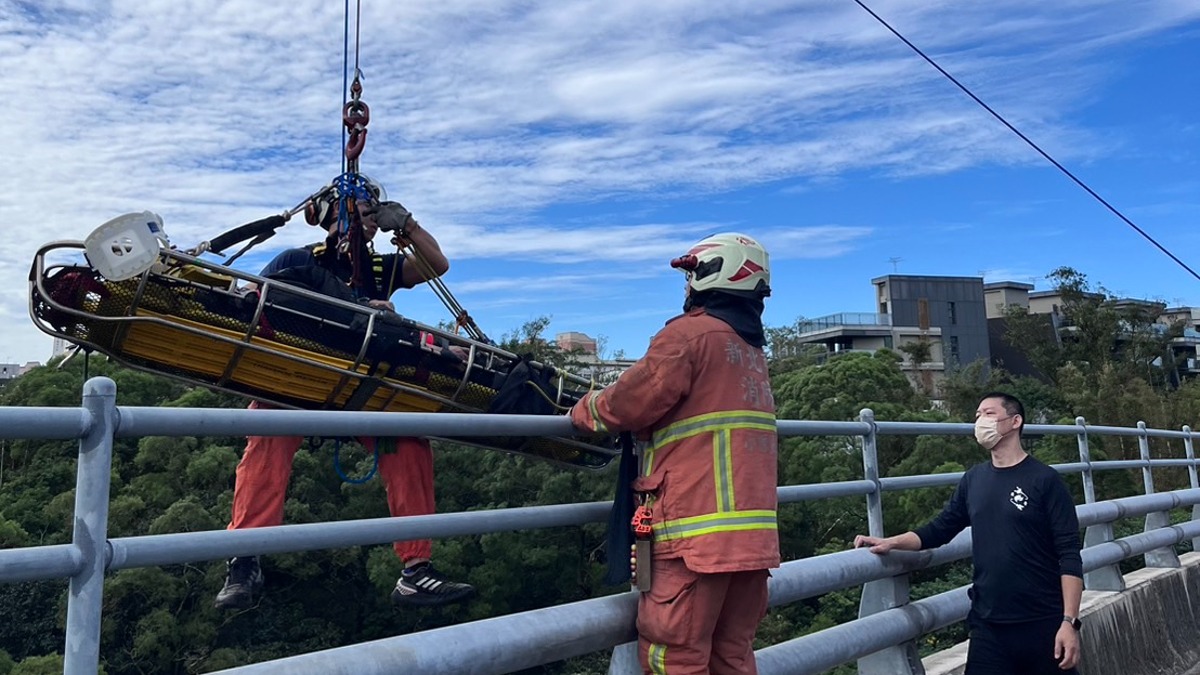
{"type": "Point", "coordinates": [908, 541]}
{"type": "Point", "coordinates": [876, 544]}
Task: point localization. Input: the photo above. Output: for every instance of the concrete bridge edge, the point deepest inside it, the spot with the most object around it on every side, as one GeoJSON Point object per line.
{"type": "Point", "coordinates": [1151, 627]}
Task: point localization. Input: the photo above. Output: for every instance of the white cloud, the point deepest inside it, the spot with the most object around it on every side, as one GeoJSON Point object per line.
{"type": "Point", "coordinates": [215, 113]}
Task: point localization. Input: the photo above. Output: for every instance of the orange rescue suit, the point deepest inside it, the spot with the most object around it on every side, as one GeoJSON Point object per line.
{"type": "Point", "coordinates": [701, 397]}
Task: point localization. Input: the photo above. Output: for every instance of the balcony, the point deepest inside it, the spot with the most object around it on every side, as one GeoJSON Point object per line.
{"type": "Point", "coordinates": [844, 320]}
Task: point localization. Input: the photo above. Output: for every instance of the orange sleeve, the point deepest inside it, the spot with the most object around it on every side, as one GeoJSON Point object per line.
{"type": "Point", "coordinates": [643, 394]}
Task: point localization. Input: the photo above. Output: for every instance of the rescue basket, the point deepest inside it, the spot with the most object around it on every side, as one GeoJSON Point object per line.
{"type": "Point", "coordinates": [275, 341]}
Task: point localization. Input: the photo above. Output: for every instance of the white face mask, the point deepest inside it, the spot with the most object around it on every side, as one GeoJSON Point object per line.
{"type": "Point", "coordinates": [986, 432]}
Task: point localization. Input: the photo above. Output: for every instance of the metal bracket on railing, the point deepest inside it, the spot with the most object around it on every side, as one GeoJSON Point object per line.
{"type": "Point", "coordinates": [1159, 557]}
{"type": "Point", "coordinates": [1108, 577]}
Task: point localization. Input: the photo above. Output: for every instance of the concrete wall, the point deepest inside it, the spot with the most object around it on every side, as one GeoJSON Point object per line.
{"type": "Point", "coordinates": [1152, 628]}
{"type": "Point", "coordinates": [999, 296]}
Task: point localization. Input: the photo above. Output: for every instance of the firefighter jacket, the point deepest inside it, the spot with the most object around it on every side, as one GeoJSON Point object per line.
{"type": "Point", "coordinates": [702, 400]}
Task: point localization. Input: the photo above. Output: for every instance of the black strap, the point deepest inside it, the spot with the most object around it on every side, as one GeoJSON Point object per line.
{"type": "Point", "coordinates": [261, 229]}
{"type": "Point", "coordinates": [620, 529]}
{"type": "Point", "coordinates": [362, 394]}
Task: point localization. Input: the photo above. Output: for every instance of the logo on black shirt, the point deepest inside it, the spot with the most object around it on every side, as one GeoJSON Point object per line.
{"type": "Point", "coordinates": [1018, 498]}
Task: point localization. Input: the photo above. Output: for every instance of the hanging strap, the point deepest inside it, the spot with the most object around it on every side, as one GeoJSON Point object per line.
{"type": "Point", "coordinates": [620, 534]}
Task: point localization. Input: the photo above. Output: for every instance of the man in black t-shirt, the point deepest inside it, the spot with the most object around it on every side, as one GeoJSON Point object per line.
{"type": "Point", "coordinates": [1028, 578]}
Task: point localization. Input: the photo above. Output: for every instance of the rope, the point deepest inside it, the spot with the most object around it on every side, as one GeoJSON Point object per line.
{"type": "Point", "coordinates": [357, 26]}
{"type": "Point", "coordinates": [547, 397]}
{"type": "Point", "coordinates": [391, 286]}
{"type": "Point", "coordinates": [337, 465]}
{"type": "Point", "coordinates": [345, 72]}
{"type": "Point", "coordinates": [561, 408]}
{"type": "Point", "coordinates": [461, 318]}
{"type": "Point", "coordinates": [1030, 143]}
{"type": "Point", "coordinates": [352, 187]}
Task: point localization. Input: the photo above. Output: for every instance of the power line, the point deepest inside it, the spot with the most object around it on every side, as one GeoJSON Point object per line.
{"type": "Point", "coordinates": [1031, 144]}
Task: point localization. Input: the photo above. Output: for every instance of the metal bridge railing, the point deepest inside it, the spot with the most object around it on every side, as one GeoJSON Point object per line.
{"type": "Point", "coordinates": [882, 639]}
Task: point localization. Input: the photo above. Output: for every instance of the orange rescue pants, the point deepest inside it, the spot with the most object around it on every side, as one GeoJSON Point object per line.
{"type": "Point", "coordinates": [266, 466]}
{"type": "Point", "coordinates": [692, 623]}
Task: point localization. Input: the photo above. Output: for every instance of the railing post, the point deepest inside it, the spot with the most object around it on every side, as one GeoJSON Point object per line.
{"type": "Point", "coordinates": [1189, 449]}
{"type": "Point", "coordinates": [882, 594]}
{"type": "Point", "coordinates": [1159, 557]}
{"type": "Point", "coordinates": [82, 648]}
{"type": "Point", "coordinates": [870, 457]}
{"type": "Point", "coordinates": [624, 660]}
{"type": "Point", "coordinates": [1107, 578]}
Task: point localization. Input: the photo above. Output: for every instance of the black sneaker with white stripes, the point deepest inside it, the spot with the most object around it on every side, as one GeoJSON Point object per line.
{"type": "Point", "coordinates": [425, 586]}
{"type": "Point", "coordinates": [243, 581]}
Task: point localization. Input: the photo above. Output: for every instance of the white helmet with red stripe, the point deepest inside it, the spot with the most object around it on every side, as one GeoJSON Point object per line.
{"type": "Point", "coordinates": [729, 262]}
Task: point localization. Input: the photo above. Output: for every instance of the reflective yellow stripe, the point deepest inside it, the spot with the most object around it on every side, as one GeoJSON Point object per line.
{"type": "Point", "coordinates": [657, 657]}
{"type": "Point", "coordinates": [720, 424]}
{"type": "Point", "coordinates": [718, 421]}
{"type": "Point", "coordinates": [597, 423]}
{"type": "Point", "coordinates": [735, 521]}
{"type": "Point", "coordinates": [723, 469]}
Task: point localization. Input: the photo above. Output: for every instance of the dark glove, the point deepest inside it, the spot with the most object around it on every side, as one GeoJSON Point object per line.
{"type": "Point", "coordinates": [392, 217]}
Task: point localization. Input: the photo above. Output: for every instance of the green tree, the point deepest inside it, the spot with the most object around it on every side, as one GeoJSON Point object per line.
{"type": "Point", "coordinates": [1094, 331]}
{"type": "Point", "coordinates": [920, 352]}
{"type": "Point", "coordinates": [786, 350]}
{"type": "Point", "coordinates": [845, 384]}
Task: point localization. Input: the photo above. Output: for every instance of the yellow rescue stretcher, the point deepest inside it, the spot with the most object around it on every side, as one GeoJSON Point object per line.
{"type": "Point", "coordinates": [286, 345]}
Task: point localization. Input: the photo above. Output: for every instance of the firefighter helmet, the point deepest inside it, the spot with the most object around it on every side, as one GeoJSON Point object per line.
{"type": "Point", "coordinates": [728, 261]}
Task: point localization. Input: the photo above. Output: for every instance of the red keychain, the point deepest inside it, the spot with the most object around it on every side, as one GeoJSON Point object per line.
{"type": "Point", "coordinates": [643, 532]}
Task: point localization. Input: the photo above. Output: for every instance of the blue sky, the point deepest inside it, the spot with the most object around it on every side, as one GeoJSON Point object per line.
{"type": "Point", "coordinates": [563, 152]}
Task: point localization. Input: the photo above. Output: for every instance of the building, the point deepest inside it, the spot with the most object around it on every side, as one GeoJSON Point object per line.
{"type": "Point", "coordinates": [937, 324]}
{"type": "Point", "coordinates": [1185, 349]}
{"type": "Point", "coordinates": [1001, 295]}
{"type": "Point", "coordinates": [1189, 316]}
{"type": "Point", "coordinates": [584, 359]}
{"type": "Point", "coordinates": [955, 305]}
{"type": "Point", "coordinates": [571, 341]}
{"type": "Point", "coordinates": [11, 371]}
{"type": "Point", "coordinates": [934, 323]}
{"type": "Point", "coordinates": [863, 332]}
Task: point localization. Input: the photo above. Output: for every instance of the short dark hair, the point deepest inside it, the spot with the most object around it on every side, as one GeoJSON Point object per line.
{"type": "Point", "coordinates": [1011, 404]}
